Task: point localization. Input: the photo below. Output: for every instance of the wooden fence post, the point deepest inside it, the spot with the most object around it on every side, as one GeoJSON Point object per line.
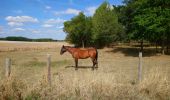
{"type": "Point", "coordinates": [49, 69]}
{"type": "Point", "coordinates": [140, 67]}
{"type": "Point", "coordinates": [7, 67]}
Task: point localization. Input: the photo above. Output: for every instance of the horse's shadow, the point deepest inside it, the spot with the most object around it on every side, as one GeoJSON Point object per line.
{"type": "Point", "coordinates": [82, 67]}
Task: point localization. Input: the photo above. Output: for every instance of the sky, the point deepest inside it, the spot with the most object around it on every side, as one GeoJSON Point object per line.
{"type": "Point", "coordinates": [42, 18]}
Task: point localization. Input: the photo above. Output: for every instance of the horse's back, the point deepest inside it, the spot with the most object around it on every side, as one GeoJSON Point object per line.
{"type": "Point", "coordinates": [85, 53]}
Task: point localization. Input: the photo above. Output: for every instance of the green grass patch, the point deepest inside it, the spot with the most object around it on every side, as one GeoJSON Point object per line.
{"type": "Point", "coordinates": [34, 63]}
{"type": "Point", "coordinates": [43, 63]}
{"type": "Point", "coordinates": [61, 63]}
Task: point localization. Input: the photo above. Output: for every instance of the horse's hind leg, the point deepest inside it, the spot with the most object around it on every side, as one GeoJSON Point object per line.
{"type": "Point", "coordinates": [93, 60]}
{"type": "Point", "coordinates": [96, 63]}
{"type": "Point", "coordinates": [76, 64]}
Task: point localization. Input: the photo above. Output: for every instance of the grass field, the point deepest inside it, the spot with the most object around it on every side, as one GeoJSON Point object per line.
{"type": "Point", "coordinates": [115, 79]}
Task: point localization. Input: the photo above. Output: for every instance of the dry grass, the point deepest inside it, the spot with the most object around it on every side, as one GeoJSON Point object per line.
{"type": "Point", "coordinates": [116, 78]}
{"type": "Point", "coordinates": [88, 86]}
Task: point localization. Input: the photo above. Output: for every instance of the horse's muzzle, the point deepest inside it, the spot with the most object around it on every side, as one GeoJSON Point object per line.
{"type": "Point", "coordinates": [61, 53]}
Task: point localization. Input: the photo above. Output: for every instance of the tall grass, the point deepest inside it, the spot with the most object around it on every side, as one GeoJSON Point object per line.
{"type": "Point", "coordinates": [90, 85]}
{"type": "Point", "coordinates": [12, 89]}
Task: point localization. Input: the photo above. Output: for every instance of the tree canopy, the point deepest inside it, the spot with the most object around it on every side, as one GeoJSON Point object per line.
{"type": "Point", "coordinates": [78, 30]}
{"type": "Point", "coordinates": [105, 25]}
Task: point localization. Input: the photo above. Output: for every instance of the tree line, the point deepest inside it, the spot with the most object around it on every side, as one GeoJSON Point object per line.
{"type": "Point", "coordinates": [136, 20]}
{"type": "Point", "coordinates": [19, 38]}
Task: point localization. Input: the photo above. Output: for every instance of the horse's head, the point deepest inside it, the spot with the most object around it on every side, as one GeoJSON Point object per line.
{"type": "Point", "coordinates": [63, 49]}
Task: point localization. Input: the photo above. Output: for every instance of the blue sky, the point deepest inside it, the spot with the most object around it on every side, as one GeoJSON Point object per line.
{"type": "Point", "coordinates": [42, 18]}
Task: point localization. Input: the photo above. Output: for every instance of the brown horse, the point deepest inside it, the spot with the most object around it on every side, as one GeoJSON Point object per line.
{"type": "Point", "coordinates": [78, 53]}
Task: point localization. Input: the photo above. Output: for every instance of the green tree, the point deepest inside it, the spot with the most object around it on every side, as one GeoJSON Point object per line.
{"type": "Point", "coordinates": [151, 19]}
{"type": "Point", "coordinates": [125, 17]}
{"type": "Point", "coordinates": [78, 30]}
{"type": "Point", "coordinates": [121, 35]}
{"type": "Point", "coordinates": [147, 20]}
{"type": "Point", "coordinates": [105, 25]}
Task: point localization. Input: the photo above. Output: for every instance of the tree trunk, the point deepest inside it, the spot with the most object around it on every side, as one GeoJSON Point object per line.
{"type": "Point", "coordinates": [141, 46]}
{"type": "Point", "coordinates": [129, 42]}
{"type": "Point", "coordinates": [82, 43]}
{"type": "Point", "coordinates": [156, 46]}
{"type": "Point", "coordinates": [163, 47]}
{"type": "Point", "coordinates": [167, 48]}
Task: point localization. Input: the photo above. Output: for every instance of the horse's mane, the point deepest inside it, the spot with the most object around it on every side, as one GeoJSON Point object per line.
{"type": "Point", "coordinates": [79, 47]}
{"type": "Point", "coordinates": [70, 46]}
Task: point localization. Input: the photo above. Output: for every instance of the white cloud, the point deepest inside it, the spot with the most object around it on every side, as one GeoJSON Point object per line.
{"type": "Point", "coordinates": [14, 24]}
{"type": "Point", "coordinates": [72, 11]}
{"type": "Point", "coordinates": [20, 20]}
{"type": "Point", "coordinates": [47, 25]}
{"type": "Point", "coordinates": [53, 22]}
{"type": "Point", "coordinates": [18, 29]}
{"type": "Point", "coordinates": [90, 10]}
{"type": "Point", "coordinates": [68, 11]}
{"type": "Point", "coordinates": [47, 7]}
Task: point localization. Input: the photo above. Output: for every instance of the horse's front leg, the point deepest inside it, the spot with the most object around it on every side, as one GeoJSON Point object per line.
{"type": "Point", "coordinates": [76, 64]}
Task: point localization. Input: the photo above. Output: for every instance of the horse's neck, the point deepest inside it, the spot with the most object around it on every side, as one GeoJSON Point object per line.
{"type": "Point", "coordinates": [70, 50]}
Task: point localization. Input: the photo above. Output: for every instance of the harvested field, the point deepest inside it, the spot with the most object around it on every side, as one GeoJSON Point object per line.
{"type": "Point", "coordinates": [115, 79]}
